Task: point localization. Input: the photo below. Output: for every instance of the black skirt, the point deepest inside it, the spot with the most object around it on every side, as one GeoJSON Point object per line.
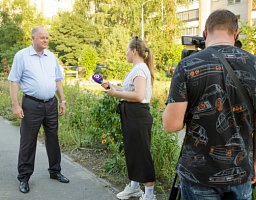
{"type": "Point", "coordinates": [136, 123]}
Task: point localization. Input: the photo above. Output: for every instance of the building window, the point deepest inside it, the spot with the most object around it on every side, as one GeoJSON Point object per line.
{"type": "Point", "coordinates": [190, 31]}
{"type": "Point", "coordinates": [234, 1]}
{"type": "Point", "coordinates": [254, 5]}
{"type": "Point", "coordinates": [253, 21]}
{"type": "Point", "coordinates": [189, 15]}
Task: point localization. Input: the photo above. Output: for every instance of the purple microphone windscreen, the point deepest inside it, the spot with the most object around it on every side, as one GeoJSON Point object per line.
{"type": "Point", "coordinates": [97, 78]}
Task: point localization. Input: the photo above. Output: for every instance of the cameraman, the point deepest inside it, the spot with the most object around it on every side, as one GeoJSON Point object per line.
{"type": "Point", "coordinates": [217, 157]}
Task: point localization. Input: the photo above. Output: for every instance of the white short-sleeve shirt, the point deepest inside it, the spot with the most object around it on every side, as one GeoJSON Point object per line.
{"type": "Point", "coordinates": [140, 69]}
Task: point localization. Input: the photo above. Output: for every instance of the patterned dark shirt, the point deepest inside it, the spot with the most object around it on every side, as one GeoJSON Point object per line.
{"type": "Point", "coordinates": [218, 145]}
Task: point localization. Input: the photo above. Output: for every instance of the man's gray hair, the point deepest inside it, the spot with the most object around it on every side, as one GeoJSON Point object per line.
{"type": "Point", "coordinates": [36, 29]}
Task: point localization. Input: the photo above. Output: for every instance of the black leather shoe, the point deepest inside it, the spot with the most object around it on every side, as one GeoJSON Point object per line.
{"type": "Point", "coordinates": [24, 187]}
{"type": "Point", "coordinates": [59, 177]}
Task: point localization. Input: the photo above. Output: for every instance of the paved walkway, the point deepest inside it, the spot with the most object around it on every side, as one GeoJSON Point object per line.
{"type": "Point", "coordinates": [83, 184]}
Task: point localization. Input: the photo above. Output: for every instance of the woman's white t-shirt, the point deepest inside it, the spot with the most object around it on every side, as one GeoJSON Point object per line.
{"type": "Point", "coordinates": [142, 70]}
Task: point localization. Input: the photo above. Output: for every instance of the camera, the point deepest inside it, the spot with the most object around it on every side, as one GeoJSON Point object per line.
{"type": "Point", "coordinates": [192, 45]}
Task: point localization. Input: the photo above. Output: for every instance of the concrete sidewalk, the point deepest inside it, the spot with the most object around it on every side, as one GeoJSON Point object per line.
{"type": "Point", "coordinates": [83, 184]}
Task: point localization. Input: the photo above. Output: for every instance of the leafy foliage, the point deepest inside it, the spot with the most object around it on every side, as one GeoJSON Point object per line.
{"type": "Point", "coordinates": [109, 129]}
{"type": "Point", "coordinates": [5, 101]}
{"type": "Point", "coordinates": [107, 26]}
{"type": "Point", "coordinates": [69, 34]}
{"type": "Point", "coordinates": [76, 124]}
{"type": "Point", "coordinates": [11, 41]}
{"type": "Point", "coordinates": [88, 59]}
{"type": "Point", "coordinates": [104, 114]}
{"type": "Point", "coordinates": [165, 147]}
{"type": "Point", "coordinates": [118, 21]}
{"type": "Point", "coordinates": [248, 37]}
{"type": "Point", "coordinates": [18, 18]}
{"type": "Point", "coordinates": [113, 51]}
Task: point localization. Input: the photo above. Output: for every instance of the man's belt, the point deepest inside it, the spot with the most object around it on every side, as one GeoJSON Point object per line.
{"type": "Point", "coordinates": [39, 100]}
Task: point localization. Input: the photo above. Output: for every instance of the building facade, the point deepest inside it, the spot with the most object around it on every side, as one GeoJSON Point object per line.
{"type": "Point", "coordinates": [195, 15]}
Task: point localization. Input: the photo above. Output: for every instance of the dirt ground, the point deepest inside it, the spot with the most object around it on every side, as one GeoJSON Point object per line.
{"type": "Point", "coordinates": [93, 160]}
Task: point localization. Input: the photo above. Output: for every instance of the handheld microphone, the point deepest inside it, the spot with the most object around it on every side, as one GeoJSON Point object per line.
{"type": "Point", "coordinates": [98, 79]}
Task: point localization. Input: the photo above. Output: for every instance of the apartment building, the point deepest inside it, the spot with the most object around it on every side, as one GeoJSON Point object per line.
{"type": "Point", "coordinates": [195, 15]}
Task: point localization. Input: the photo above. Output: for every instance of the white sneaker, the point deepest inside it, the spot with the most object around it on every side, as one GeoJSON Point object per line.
{"type": "Point", "coordinates": [129, 192]}
{"type": "Point", "coordinates": [144, 197]}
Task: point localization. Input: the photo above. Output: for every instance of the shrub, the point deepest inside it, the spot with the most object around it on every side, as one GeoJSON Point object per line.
{"type": "Point", "coordinates": [75, 125]}
{"type": "Point", "coordinates": [5, 102]}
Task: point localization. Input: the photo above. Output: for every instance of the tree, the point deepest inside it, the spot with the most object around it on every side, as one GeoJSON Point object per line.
{"type": "Point", "coordinates": [88, 59]}
{"type": "Point", "coordinates": [160, 24]}
{"type": "Point", "coordinates": [11, 38]}
{"type": "Point", "coordinates": [18, 18]}
{"type": "Point", "coordinates": [69, 33]}
{"type": "Point", "coordinates": [110, 13]}
{"type": "Point", "coordinates": [112, 52]}
{"type": "Point", "coordinates": [248, 37]}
